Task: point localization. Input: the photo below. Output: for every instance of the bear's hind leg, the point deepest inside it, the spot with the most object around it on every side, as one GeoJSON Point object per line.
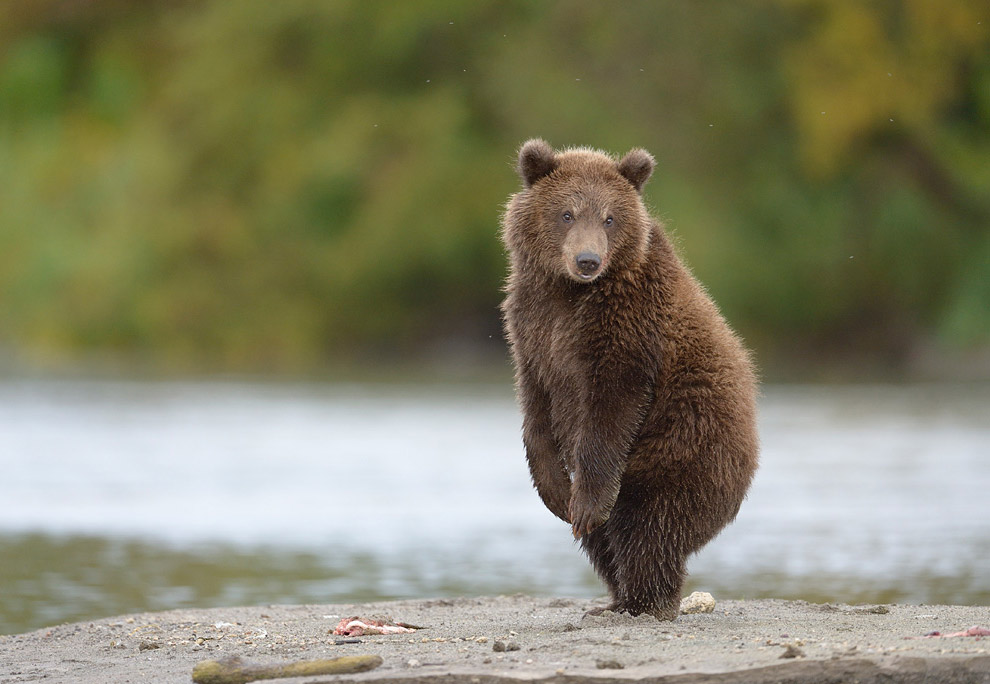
{"type": "Point", "coordinates": [650, 584]}
{"type": "Point", "coordinates": [596, 546]}
{"type": "Point", "coordinates": [650, 568]}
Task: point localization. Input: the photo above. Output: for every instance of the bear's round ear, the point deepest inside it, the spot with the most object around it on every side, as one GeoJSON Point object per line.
{"type": "Point", "coordinates": [637, 167]}
{"type": "Point", "coordinates": [536, 160]}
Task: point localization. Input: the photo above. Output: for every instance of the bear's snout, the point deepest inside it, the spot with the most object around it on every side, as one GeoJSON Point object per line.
{"type": "Point", "coordinates": [588, 264]}
{"type": "Point", "coordinates": [585, 252]}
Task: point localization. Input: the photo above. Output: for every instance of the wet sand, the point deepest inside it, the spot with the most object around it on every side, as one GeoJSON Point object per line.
{"type": "Point", "coordinates": [521, 638]}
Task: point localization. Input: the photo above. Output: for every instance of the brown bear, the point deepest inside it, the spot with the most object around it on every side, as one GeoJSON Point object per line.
{"type": "Point", "coordinates": [638, 400]}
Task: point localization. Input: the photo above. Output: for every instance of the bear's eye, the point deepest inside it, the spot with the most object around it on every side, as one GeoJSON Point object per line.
{"type": "Point", "coordinates": [567, 217]}
{"type": "Point", "coordinates": [609, 221]}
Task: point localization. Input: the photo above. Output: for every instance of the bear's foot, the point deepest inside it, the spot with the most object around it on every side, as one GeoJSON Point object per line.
{"type": "Point", "coordinates": [664, 614]}
{"type": "Point", "coordinates": [595, 612]}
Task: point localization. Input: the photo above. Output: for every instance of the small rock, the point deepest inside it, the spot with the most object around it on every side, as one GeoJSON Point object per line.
{"type": "Point", "coordinates": [608, 665]}
{"type": "Point", "coordinates": [697, 602]}
{"type": "Point", "coordinates": [412, 662]}
{"type": "Point", "coordinates": [792, 651]}
{"type": "Point", "coordinates": [871, 610]}
{"type": "Point", "coordinates": [501, 646]}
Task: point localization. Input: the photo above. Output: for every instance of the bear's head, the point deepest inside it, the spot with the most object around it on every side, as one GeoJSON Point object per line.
{"type": "Point", "coordinates": [580, 212]}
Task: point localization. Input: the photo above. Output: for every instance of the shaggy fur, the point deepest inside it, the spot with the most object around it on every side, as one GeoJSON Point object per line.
{"type": "Point", "coordinates": [639, 416]}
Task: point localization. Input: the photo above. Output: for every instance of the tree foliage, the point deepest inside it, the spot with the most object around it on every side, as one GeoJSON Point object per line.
{"type": "Point", "coordinates": [268, 185]}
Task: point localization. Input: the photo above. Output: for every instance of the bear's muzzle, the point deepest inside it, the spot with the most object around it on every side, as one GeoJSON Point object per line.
{"type": "Point", "coordinates": [588, 264]}
{"type": "Point", "coordinates": [584, 252]}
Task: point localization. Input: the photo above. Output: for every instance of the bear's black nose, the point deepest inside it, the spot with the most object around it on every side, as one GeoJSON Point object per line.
{"type": "Point", "coordinates": [587, 262]}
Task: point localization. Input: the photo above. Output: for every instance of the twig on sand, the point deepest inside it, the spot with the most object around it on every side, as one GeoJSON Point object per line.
{"type": "Point", "coordinates": [236, 671]}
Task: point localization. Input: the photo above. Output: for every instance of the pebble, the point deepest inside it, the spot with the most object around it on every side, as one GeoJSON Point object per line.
{"type": "Point", "coordinates": [792, 651]}
{"type": "Point", "coordinates": [697, 602]}
{"type": "Point", "coordinates": [500, 646]}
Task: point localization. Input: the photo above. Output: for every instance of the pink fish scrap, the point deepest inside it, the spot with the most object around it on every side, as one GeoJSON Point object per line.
{"type": "Point", "coordinates": [973, 631]}
{"type": "Point", "coordinates": [358, 626]}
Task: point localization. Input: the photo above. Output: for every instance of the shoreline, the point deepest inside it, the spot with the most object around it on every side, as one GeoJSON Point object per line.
{"type": "Point", "coordinates": [522, 638]}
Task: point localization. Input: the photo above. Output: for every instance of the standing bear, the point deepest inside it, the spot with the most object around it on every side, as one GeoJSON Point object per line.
{"type": "Point", "coordinates": [638, 400]}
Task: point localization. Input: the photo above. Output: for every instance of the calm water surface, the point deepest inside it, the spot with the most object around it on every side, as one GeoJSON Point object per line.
{"type": "Point", "coordinates": [119, 497]}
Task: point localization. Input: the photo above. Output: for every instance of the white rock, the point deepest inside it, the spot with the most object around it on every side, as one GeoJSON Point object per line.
{"type": "Point", "coordinates": [697, 602]}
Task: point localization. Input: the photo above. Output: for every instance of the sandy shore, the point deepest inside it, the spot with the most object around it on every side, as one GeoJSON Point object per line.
{"type": "Point", "coordinates": [520, 638]}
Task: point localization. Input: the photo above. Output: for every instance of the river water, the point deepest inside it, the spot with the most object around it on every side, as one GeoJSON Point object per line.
{"type": "Point", "coordinates": [126, 496]}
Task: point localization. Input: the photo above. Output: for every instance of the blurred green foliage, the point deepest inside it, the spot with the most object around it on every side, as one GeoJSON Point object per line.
{"type": "Point", "coordinates": [261, 185]}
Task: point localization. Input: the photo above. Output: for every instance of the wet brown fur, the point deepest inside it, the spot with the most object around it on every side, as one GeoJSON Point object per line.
{"type": "Point", "coordinates": [638, 400]}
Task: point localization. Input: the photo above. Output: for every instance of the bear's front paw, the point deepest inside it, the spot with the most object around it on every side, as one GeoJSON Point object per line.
{"type": "Point", "coordinates": [556, 505]}
{"type": "Point", "coordinates": [585, 515]}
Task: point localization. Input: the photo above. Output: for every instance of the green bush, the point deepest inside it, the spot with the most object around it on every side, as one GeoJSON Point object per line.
{"type": "Point", "coordinates": [274, 185]}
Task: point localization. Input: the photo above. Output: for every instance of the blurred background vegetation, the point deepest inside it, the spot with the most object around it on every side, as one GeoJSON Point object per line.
{"type": "Point", "coordinates": [286, 187]}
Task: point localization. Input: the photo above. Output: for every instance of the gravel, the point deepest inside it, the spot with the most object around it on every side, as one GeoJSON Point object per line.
{"type": "Point", "coordinates": [522, 638]}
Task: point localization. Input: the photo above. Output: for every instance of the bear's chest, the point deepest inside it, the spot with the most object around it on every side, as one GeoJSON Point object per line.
{"type": "Point", "coordinates": [557, 349]}
{"type": "Point", "coordinates": [553, 341]}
